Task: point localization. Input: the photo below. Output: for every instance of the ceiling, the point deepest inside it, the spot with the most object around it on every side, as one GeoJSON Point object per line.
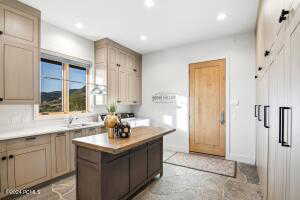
{"type": "Point", "coordinates": [167, 24]}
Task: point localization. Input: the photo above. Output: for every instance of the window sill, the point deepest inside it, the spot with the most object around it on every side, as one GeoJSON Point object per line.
{"type": "Point", "coordinates": [39, 116]}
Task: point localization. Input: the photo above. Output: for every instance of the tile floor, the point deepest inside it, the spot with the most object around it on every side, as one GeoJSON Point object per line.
{"type": "Point", "coordinates": [178, 183]}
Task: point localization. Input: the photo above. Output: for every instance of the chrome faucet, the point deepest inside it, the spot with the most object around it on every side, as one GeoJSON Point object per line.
{"type": "Point", "coordinates": [71, 119]}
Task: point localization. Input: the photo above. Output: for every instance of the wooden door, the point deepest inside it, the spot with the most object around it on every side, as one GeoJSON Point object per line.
{"type": "Point", "coordinates": [138, 166]}
{"type": "Point", "coordinates": [73, 135]}
{"type": "Point", "coordinates": [116, 174]}
{"type": "Point", "coordinates": [207, 107]}
{"type": "Point", "coordinates": [29, 166]}
{"type": "Point", "coordinates": [113, 84]}
{"type": "Point", "coordinates": [133, 88]}
{"type": "Point", "coordinates": [294, 182]}
{"type": "Point", "coordinates": [154, 157]}
{"type": "Point", "coordinates": [123, 85]}
{"type": "Point", "coordinates": [3, 173]}
{"type": "Point", "coordinates": [60, 154]}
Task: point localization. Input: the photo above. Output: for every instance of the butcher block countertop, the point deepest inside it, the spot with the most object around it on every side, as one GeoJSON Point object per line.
{"type": "Point", "coordinates": [139, 136]}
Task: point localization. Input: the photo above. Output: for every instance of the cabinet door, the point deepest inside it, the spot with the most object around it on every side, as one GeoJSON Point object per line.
{"type": "Point", "coordinates": [116, 175]}
{"type": "Point", "coordinates": [21, 28]}
{"type": "Point", "coordinates": [1, 55]}
{"type": "Point", "coordinates": [60, 154]}
{"type": "Point", "coordinates": [154, 157]}
{"type": "Point", "coordinates": [294, 181]}
{"type": "Point", "coordinates": [3, 173]}
{"type": "Point", "coordinates": [138, 166]}
{"type": "Point", "coordinates": [73, 135]}
{"type": "Point", "coordinates": [19, 74]}
{"type": "Point", "coordinates": [113, 84]}
{"type": "Point", "coordinates": [123, 86]}
{"type": "Point", "coordinates": [133, 89]}
{"type": "Point", "coordinates": [112, 58]}
{"type": "Point", "coordinates": [28, 167]}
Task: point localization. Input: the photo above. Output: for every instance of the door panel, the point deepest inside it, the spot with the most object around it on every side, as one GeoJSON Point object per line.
{"type": "Point", "coordinates": [73, 135]}
{"type": "Point", "coordinates": [60, 154]}
{"type": "Point", "coordinates": [28, 167]}
{"type": "Point", "coordinates": [123, 86]}
{"type": "Point", "coordinates": [207, 107]}
{"type": "Point", "coordinates": [113, 84]}
{"type": "Point", "coordinates": [19, 72]}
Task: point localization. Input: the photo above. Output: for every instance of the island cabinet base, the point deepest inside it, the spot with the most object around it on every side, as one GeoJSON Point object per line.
{"type": "Point", "coordinates": [104, 176]}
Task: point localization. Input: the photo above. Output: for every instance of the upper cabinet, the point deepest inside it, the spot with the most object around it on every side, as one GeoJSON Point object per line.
{"type": "Point", "coordinates": [121, 69]}
{"type": "Point", "coordinates": [19, 38]}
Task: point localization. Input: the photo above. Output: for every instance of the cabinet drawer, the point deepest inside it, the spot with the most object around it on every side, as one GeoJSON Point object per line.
{"type": "Point", "coordinates": [27, 142]}
{"type": "Point", "coordinates": [87, 154]}
{"type": "Point", "coordinates": [107, 157]}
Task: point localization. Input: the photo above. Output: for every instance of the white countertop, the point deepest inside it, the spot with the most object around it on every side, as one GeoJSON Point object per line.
{"type": "Point", "coordinates": [34, 131]}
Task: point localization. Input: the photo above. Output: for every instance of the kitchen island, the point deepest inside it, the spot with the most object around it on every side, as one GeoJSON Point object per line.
{"type": "Point", "coordinates": [114, 169]}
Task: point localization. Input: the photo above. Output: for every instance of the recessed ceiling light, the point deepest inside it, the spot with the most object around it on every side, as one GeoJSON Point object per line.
{"type": "Point", "coordinates": [221, 17]}
{"type": "Point", "coordinates": [143, 37]}
{"type": "Point", "coordinates": [149, 3]}
{"type": "Point", "coordinates": [79, 25]}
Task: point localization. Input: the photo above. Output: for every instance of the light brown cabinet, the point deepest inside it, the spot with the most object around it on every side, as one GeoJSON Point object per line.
{"type": "Point", "coordinates": [3, 173]}
{"type": "Point", "coordinates": [29, 166]}
{"type": "Point", "coordinates": [19, 38]}
{"type": "Point", "coordinates": [60, 147]}
{"type": "Point", "coordinates": [73, 135]}
{"type": "Point", "coordinates": [123, 67]}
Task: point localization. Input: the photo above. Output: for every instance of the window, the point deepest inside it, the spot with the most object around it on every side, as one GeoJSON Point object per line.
{"type": "Point", "coordinates": [63, 87]}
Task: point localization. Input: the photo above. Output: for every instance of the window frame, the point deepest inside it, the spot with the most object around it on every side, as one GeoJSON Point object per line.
{"type": "Point", "coordinates": [65, 92]}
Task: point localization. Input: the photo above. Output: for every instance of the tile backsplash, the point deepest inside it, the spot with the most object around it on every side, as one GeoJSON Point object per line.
{"type": "Point", "coordinates": [22, 116]}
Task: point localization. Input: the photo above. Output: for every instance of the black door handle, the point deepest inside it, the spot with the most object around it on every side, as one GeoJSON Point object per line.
{"type": "Point", "coordinates": [281, 126]}
{"type": "Point", "coordinates": [283, 15]}
{"type": "Point", "coordinates": [11, 157]}
{"type": "Point", "coordinates": [266, 119]}
{"type": "Point", "coordinates": [1, 32]}
{"type": "Point", "coordinates": [4, 158]}
{"type": "Point", "coordinates": [1, 99]}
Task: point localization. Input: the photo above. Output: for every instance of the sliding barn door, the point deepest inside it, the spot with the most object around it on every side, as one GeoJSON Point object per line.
{"type": "Point", "coordinates": [207, 107]}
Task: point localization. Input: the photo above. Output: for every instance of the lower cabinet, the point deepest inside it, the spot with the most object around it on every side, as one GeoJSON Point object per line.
{"type": "Point", "coordinates": [29, 166]}
{"type": "Point", "coordinates": [73, 135]}
{"type": "Point", "coordinates": [155, 153]}
{"type": "Point", "coordinates": [60, 149]}
{"type": "Point", "coordinates": [138, 166]}
{"type": "Point", "coordinates": [116, 178]}
{"type": "Point", "coordinates": [3, 173]}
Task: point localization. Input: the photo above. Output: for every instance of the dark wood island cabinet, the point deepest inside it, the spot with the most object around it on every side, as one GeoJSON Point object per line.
{"type": "Point", "coordinates": [115, 169]}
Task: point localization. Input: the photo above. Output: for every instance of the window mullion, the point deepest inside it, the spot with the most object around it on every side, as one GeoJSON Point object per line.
{"type": "Point", "coordinates": [66, 88]}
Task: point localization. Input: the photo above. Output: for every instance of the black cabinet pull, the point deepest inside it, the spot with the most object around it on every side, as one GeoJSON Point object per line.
{"type": "Point", "coordinates": [134, 70]}
{"type": "Point", "coordinates": [119, 101]}
{"type": "Point", "coordinates": [11, 157]}
{"type": "Point", "coordinates": [258, 113]}
{"type": "Point", "coordinates": [283, 15]}
{"type": "Point", "coordinates": [30, 138]}
{"type": "Point", "coordinates": [255, 76]}
{"type": "Point", "coordinates": [267, 53]}
{"type": "Point", "coordinates": [266, 119]}
{"type": "Point", "coordinates": [4, 158]}
{"type": "Point", "coordinates": [1, 32]}
{"type": "Point", "coordinates": [281, 126]}
{"type": "Point", "coordinates": [260, 68]}
{"type": "Point", "coordinates": [1, 99]}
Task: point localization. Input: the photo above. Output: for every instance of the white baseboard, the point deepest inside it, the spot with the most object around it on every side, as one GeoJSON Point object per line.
{"type": "Point", "coordinates": [241, 158]}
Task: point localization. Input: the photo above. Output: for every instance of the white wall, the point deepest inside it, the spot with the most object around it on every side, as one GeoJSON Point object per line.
{"type": "Point", "coordinates": [167, 71]}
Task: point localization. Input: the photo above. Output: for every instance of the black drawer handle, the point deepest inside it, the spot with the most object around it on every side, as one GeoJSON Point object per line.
{"type": "Point", "coordinates": [11, 157]}
{"type": "Point", "coordinates": [4, 158]}
{"type": "Point", "coordinates": [1, 32]}
{"type": "Point", "coordinates": [134, 70]}
{"type": "Point", "coordinates": [30, 138]}
{"type": "Point", "coordinates": [1, 99]}
{"type": "Point", "coordinates": [281, 126]}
